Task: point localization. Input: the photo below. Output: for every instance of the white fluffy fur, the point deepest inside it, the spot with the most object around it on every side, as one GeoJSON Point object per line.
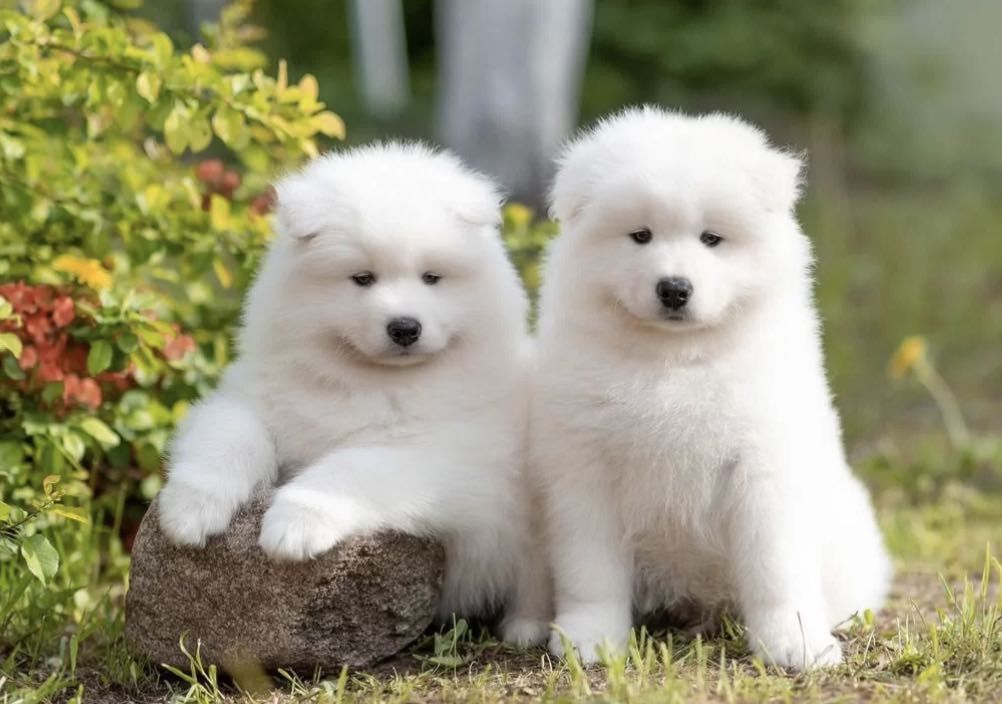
{"type": "Point", "coordinates": [697, 459]}
{"type": "Point", "coordinates": [361, 434]}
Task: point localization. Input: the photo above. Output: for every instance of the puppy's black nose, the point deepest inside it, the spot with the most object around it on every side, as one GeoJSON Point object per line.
{"type": "Point", "coordinates": [404, 331]}
{"type": "Point", "coordinates": [674, 291]}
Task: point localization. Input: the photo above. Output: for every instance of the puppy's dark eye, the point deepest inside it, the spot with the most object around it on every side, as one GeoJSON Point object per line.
{"type": "Point", "coordinates": [430, 278]}
{"type": "Point", "coordinates": [641, 236]}
{"type": "Point", "coordinates": [364, 278]}
{"type": "Point", "coordinates": [710, 239]}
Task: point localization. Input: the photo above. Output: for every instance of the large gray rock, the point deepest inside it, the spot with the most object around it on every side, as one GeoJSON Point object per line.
{"type": "Point", "coordinates": [359, 603]}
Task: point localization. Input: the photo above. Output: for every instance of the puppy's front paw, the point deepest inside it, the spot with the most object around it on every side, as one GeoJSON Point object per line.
{"type": "Point", "coordinates": [591, 634]}
{"type": "Point", "coordinates": [189, 515]}
{"type": "Point", "coordinates": [524, 630]}
{"type": "Point", "coordinates": [799, 642]}
{"type": "Point", "coordinates": [294, 530]}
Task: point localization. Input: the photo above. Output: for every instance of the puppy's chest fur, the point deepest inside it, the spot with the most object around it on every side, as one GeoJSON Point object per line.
{"type": "Point", "coordinates": [307, 425]}
{"type": "Point", "coordinates": [672, 440]}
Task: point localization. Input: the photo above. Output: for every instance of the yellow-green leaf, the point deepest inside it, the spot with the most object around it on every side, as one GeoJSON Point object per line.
{"type": "Point", "coordinates": [74, 513]}
{"type": "Point", "coordinates": [99, 357]}
{"type": "Point", "coordinates": [43, 9]}
{"type": "Point", "coordinates": [231, 127]}
{"type": "Point", "coordinates": [330, 124]}
{"type": "Point", "coordinates": [219, 213]}
{"type": "Point", "coordinates": [222, 273]}
{"type": "Point", "coordinates": [175, 132]}
{"type": "Point", "coordinates": [148, 86]}
{"type": "Point", "coordinates": [199, 134]}
{"type": "Point", "coordinates": [40, 557]}
{"type": "Point", "coordinates": [310, 89]}
{"type": "Point", "coordinates": [163, 48]}
{"type": "Point", "coordinates": [151, 337]}
{"type": "Point", "coordinates": [11, 343]}
{"type": "Point", "coordinates": [49, 483]}
{"type": "Point", "coordinates": [99, 430]}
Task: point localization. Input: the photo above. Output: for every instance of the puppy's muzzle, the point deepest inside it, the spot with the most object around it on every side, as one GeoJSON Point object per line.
{"type": "Point", "coordinates": [404, 331]}
{"type": "Point", "coordinates": [674, 291]}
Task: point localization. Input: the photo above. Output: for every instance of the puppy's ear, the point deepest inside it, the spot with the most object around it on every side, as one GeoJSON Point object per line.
{"type": "Point", "coordinates": [298, 207]}
{"type": "Point", "coordinates": [570, 187]}
{"type": "Point", "coordinates": [478, 201]}
{"type": "Point", "coordinates": [781, 179]}
{"type": "Point", "coordinates": [480, 210]}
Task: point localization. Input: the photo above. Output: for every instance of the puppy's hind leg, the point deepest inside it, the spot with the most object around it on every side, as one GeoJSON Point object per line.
{"type": "Point", "coordinates": [857, 570]}
{"type": "Point", "coordinates": [529, 611]}
{"type": "Point", "coordinates": [221, 453]}
{"type": "Point", "coordinates": [778, 575]}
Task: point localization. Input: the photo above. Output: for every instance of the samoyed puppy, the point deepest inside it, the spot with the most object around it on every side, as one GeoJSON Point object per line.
{"type": "Point", "coordinates": [683, 430]}
{"type": "Point", "coordinates": [381, 382]}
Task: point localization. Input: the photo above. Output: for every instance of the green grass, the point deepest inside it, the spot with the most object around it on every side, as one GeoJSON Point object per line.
{"type": "Point", "coordinates": [939, 639]}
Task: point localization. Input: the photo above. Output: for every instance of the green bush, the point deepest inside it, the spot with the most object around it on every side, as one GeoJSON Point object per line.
{"type": "Point", "coordinates": [122, 259]}
{"type": "Point", "coordinates": [122, 264]}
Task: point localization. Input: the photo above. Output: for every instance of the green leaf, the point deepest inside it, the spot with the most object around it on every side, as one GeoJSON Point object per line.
{"type": "Point", "coordinates": [175, 131]}
{"type": "Point", "coordinates": [41, 558]}
{"type": "Point", "coordinates": [222, 273]}
{"type": "Point", "coordinates": [11, 369]}
{"type": "Point", "coordinates": [74, 513]}
{"type": "Point", "coordinates": [99, 430]}
{"type": "Point", "coordinates": [74, 446]}
{"type": "Point", "coordinates": [52, 391]}
{"type": "Point", "coordinates": [4, 511]}
{"type": "Point", "coordinates": [199, 134]}
{"type": "Point", "coordinates": [6, 309]}
{"type": "Point", "coordinates": [11, 343]}
{"type": "Point", "coordinates": [163, 48]}
{"type": "Point", "coordinates": [219, 213]}
{"type": "Point", "coordinates": [11, 455]}
{"type": "Point", "coordinates": [43, 9]}
{"type": "Point", "coordinates": [231, 127]}
{"type": "Point", "coordinates": [329, 124]}
{"type": "Point", "coordinates": [51, 459]}
{"type": "Point", "coordinates": [127, 342]}
{"type": "Point", "coordinates": [148, 86]}
{"type": "Point", "coordinates": [151, 337]}
{"type": "Point", "coordinates": [99, 357]}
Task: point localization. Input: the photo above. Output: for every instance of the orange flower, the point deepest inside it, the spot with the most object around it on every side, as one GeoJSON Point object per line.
{"type": "Point", "coordinates": [89, 271]}
{"type": "Point", "coordinates": [29, 357]}
{"type": "Point", "coordinates": [63, 311]}
{"type": "Point", "coordinates": [177, 347]}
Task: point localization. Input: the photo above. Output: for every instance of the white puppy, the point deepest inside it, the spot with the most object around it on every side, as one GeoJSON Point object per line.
{"type": "Point", "coordinates": [381, 380]}
{"type": "Point", "coordinates": [683, 428]}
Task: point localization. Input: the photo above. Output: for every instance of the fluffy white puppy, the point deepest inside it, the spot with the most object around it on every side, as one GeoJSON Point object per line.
{"type": "Point", "coordinates": [683, 428]}
{"type": "Point", "coordinates": [381, 382]}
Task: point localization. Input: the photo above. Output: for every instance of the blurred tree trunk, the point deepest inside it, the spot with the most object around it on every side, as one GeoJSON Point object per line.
{"type": "Point", "coordinates": [510, 79]}
{"type": "Point", "coordinates": [379, 47]}
{"type": "Point", "coordinates": [202, 11]}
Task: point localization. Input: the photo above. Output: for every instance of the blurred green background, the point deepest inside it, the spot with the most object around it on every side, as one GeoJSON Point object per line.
{"type": "Point", "coordinates": [897, 103]}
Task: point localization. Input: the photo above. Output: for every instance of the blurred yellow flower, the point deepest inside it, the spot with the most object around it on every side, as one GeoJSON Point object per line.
{"type": "Point", "coordinates": [909, 353]}
{"type": "Point", "coordinates": [519, 215]}
{"type": "Point", "coordinates": [89, 271]}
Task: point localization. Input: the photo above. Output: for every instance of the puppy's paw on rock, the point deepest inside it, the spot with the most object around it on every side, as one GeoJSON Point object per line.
{"type": "Point", "coordinates": [292, 530]}
{"type": "Point", "coordinates": [190, 515]}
